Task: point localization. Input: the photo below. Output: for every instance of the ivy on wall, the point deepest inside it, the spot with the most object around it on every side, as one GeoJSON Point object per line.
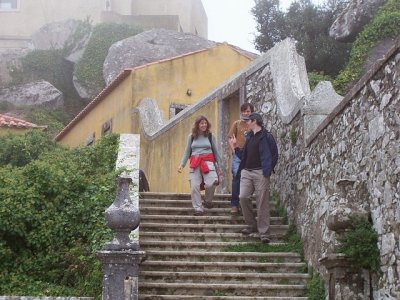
{"type": "Point", "coordinates": [89, 69]}
{"type": "Point", "coordinates": [385, 24]}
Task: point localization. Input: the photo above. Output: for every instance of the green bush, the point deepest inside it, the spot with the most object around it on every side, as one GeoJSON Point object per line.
{"type": "Point", "coordinates": [314, 78]}
{"type": "Point", "coordinates": [384, 25]}
{"type": "Point", "coordinates": [19, 150]}
{"type": "Point", "coordinates": [89, 69]}
{"type": "Point", "coordinates": [55, 120]}
{"type": "Point", "coordinates": [315, 289]}
{"type": "Point", "coordinates": [52, 204]}
{"type": "Point", "coordinates": [360, 244]}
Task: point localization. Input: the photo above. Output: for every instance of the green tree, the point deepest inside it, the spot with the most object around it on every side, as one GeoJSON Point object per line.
{"type": "Point", "coordinates": [309, 25]}
{"type": "Point", "coordinates": [270, 24]}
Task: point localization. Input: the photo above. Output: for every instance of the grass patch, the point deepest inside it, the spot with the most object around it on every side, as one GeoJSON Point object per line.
{"type": "Point", "coordinates": [315, 289]}
{"type": "Point", "coordinates": [292, 244]}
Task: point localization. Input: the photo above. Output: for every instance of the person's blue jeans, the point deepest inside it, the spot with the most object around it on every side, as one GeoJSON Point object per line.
{"type": "Point", "coordinates": [235, 181]}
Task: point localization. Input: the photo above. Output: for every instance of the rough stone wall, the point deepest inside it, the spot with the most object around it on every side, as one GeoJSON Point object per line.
{"type": "Point", "coordinates": [360, 139]}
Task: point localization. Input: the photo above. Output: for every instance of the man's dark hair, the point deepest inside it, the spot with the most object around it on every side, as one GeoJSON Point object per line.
{"type": "Point", "coordinates": [257, 117]}
{"type": "Point", "coordinates": [245, 106]}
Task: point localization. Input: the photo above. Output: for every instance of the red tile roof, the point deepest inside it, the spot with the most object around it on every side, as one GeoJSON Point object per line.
{"type": "Point", "coordinates": [12, 122]}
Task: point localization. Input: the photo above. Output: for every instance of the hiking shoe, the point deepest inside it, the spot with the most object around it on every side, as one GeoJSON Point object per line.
{"type": "Point", "coordinates": [198, 213]}
{"type": "Point", "coordinates": [248, 231]}
{"type": "Point", "coordinates": [208, 205]}
{"type": "Point", "coordinates": [265, 239]}
{"type": "Point", "coordinates": [234, 210]}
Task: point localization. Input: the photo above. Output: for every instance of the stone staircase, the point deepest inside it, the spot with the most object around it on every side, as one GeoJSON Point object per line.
{"type": "Point", "coordinates": [186, 255]}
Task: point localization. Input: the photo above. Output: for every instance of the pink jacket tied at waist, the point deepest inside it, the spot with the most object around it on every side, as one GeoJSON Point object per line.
{"type": "Point", "coordinates": [200, 160]}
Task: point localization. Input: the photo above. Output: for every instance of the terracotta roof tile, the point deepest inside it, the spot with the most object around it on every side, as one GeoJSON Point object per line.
{"type": "Point", "coordinates": [12, 122]}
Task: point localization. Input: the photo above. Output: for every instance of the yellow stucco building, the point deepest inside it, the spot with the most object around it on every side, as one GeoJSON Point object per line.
{"type": "Point", "coordinates": [172, 85]}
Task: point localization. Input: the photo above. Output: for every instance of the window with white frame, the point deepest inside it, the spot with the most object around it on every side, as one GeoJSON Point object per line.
{"type": "Point", "coordinates": [9, 5]}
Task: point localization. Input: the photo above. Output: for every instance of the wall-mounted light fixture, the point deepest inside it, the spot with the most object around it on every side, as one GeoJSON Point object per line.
{"type": "Point", "coordinates": [189, 92]}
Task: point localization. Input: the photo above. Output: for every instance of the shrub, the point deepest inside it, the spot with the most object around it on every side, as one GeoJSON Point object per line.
{"type": "Point", "coordinates": [360, 244]}
{"type": "Point", "coordinates": [52, 217]}
{"type": "Point", "coordinates": [19, 150]}
{"type": "Point", "coordinates": [315, 289]}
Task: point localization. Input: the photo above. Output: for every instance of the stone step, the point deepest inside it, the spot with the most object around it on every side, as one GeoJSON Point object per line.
{"type": "Point", "coordinates": [186, 203]}
{"type": "Point", "coordinates": [217, 266]}
{"type": "Point", "coordinates": [224, 277]}
{"type": "Point", "coordinates": [186, 255]}
{"type": "Point", "coordinates": [178, 196]}
{"type": "Point", "coordinates": [220, 228]}
{"type": "Point", "coordinates": [186, 297]}
{"type": "Point", "coordinates": [182, 255]}
{"type": "Point", "coordinates": [228, 289]}
{"type": "Point", "coordinates": [183, 219]}
{"type": "Point", "coordinates": [179, 245]}
{"type": "Point", "coordinates": [190, 236]}
{"type": "Point", "coordinates": [187, 211]}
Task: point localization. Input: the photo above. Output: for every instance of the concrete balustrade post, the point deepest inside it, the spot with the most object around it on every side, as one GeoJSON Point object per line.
{"type": "Point", "coordinates": [121, 257]}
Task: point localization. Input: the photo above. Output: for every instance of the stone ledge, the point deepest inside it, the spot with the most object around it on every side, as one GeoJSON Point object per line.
{"type": "Point", "coordinates": [354, 90]}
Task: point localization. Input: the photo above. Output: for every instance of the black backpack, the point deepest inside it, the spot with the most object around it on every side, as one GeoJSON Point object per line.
{"type": "Point", "coordinates": [273, 147]}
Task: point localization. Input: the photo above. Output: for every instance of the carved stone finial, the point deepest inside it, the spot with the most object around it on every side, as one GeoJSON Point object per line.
{"type": "Point", "coordinates": [122, 217]}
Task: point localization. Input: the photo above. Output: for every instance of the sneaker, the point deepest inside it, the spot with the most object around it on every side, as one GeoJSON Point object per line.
{"type": "Point", "coordinates": [248, 231]}
{"type": "Point", "coordinates": [234, 210]}
{"type": "Point", "coordinates": [265, 239]}
{"type": "Point", "coordinates": [208, 205]}
{"type": "Point", "coordinates": [198, 213]}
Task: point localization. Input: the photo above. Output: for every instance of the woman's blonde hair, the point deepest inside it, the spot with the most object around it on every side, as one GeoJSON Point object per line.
{"type": "Point", "coordinates": [196, 129]}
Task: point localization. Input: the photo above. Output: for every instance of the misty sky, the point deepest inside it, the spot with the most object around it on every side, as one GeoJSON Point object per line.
{"type": "Point", "coordinates": [231, 21]}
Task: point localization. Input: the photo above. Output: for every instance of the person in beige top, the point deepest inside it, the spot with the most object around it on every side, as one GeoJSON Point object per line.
{"type": "Point", "coordinates": [238, 130]}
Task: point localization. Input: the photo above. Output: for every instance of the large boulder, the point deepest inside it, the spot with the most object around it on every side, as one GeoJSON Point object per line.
{"type": "Point", "coordinates": [10, 60]}
{"type": "Point", "coordinates": [57, 35]}
{"type": "Point", "coordinates": [38, 93]}
{"type": "Point", "coordinates": [150, 46]}
{"type": "Point", "coordinates": [353, 18]}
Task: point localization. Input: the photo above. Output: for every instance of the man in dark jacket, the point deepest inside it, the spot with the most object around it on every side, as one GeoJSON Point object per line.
{"type": "Point", "coordinates": [255, 170]}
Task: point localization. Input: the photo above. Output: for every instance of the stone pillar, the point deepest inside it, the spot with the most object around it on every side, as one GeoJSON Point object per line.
{"type": "Point", "coordinates": [346, 282]}
{"type": "Point", "coordinates": [120, 274]}
{"type": "Point", "coordinates": [121, 256]}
